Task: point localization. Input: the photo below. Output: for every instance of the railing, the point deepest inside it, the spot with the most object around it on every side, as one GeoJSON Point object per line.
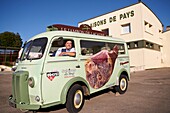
{"type": "Point", "coordinates": [8, 55]}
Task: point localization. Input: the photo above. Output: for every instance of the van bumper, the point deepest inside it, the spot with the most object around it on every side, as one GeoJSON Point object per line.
{"type": "Point", "coordinates": [21, 105]}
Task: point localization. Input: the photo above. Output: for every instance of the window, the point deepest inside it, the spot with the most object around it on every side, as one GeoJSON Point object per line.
{"type": "Point", "coordinates": [149, 45]}
{"type": "Point", "coordinates": [126, 28]}
{"type": "Point", "coordinates": [93, 47]}
{"type": "Point", "coordinates": [121, 47]}
{"type": "Point", "coordinates": [148, 27]}
{"type": "Point", "coordinates": [56, 44]}
{"type": "Point", "coordinates": [106, 31]}
{"type": "Point", "coordinates": [136, 44]}
{"type": "Point", "coordinates": [128, 45]}
{"type": "Point", "coordinates": [34, 49]}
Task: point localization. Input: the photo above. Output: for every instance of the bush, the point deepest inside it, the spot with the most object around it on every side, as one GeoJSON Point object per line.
{"type": "Point", "coordinates": [8, 64]}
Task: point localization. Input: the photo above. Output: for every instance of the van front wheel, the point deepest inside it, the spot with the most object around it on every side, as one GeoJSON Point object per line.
{"type": "Point", "coordinates": [123, 84]}
{"type": "Point", "coordinates": [75, 99]}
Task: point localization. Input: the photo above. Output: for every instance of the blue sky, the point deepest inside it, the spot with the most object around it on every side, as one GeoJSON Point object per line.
{"type": "Point", "coordinates": [30, 17]}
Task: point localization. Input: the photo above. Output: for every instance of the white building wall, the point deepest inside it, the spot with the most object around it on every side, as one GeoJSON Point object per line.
{"type": "Point", "coordinates": [114, 20]}
{"type": "Point", "coordinates": [136, 24]}
{"type": "Point", "coordinates": [152, 59]}
{"type": "Point", "coordinates": [144, 26]}
{"type": "Point", "coordinates": [137, 59]}
{"type": "Point", "coordinates": [166, 48]}
{"type": "Point", "coordinates": [153, 30]}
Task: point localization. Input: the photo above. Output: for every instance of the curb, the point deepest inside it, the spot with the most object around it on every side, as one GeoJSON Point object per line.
{"type": "Point", "coordinates": [5, 68]}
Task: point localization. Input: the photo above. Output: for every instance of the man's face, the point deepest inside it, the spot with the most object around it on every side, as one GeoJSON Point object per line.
{"type": "Point", "coordinates": [68, 45]}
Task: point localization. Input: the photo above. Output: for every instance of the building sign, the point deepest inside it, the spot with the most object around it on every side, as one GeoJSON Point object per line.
{"type": "Point", "coordinates": [82, 29]}
{"type": "Point", "coordinates": [114, 18]}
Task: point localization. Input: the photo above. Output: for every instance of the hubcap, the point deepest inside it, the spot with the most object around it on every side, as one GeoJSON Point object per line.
{"type": "Point", "coordinates": [78, 99]}
{"type": "Point", "coordinates": [123, 84]}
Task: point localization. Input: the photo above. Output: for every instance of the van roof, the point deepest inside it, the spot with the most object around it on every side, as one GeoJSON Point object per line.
{"type": "Point", "coordinates": [51, 34]}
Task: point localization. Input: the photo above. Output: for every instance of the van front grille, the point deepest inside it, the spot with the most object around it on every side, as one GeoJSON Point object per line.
{"type": "Point", "coordinates": [20, 87]}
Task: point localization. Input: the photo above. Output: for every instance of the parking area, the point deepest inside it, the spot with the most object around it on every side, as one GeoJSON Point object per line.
{"type": "Point", "coordinates": [148, 92]}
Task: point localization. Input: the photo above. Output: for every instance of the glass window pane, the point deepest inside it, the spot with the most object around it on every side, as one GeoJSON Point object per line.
{"type": "Point", "coordinates": [126, 28]}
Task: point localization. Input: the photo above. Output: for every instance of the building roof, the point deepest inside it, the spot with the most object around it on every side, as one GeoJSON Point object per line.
{"type": "Point", "coordinates": [123, 8]}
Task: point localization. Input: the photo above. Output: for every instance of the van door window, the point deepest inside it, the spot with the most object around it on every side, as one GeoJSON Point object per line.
{"type": "Point", "coordinates": [66, 48]}
{"type": "Point", "coordinates": [121, 47]}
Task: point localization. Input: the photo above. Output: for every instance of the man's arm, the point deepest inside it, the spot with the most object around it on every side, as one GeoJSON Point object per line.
{"type": "Point", "coordinates": [68, 54]}
{"type": "Point", "coordinates": [72, 53]}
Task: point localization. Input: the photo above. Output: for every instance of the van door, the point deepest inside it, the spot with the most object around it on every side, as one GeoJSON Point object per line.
{"type": "Point", "coordinates": [58, 70]}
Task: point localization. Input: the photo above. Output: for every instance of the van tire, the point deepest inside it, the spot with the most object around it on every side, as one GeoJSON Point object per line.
{"type": "Point", "coordinates": [123, 84]}
{"type": "Point", "coordinates": [75, 99]}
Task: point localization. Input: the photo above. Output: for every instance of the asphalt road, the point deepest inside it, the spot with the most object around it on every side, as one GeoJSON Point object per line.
{"type": "Point", "coordinates": [148, 92]}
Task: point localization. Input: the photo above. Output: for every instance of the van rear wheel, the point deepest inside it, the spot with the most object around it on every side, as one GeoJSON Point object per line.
{"type": "Point", "coordinates": [75, 99]}
{"type": "Point", "coordinates": [123, 84]}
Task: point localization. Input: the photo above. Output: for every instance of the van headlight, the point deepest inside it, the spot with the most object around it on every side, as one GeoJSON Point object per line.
{"type": "Point", "coordinates": [31, 82]}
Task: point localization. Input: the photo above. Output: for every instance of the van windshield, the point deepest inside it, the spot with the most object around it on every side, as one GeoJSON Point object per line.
{"type": "Point", "coordinates": [34, 49]}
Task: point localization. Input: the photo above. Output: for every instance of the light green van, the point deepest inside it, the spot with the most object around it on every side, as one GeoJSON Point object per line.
{"type": "Point", "coordinates": [43, 79]}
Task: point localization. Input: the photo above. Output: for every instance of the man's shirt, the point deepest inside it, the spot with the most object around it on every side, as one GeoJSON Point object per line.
{"type": "Point", "coordinates": [63, 49]}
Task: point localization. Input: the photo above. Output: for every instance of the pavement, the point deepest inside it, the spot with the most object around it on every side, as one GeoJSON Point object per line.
{"type": "Point", "coordinates": [5, 68]}
{"type": "Point", "coordinates": [148, 92]}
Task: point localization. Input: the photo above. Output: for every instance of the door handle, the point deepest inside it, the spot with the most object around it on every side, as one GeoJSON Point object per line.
{"type": "Point", "coordinates": [78, 66]}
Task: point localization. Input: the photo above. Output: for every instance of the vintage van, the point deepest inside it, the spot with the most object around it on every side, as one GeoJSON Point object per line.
{"type": "Point", "coordinates": [43, 79]}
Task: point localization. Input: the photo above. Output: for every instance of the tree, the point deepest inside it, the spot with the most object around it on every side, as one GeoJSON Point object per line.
{"type": "Point", "coordinates": [10, 39]}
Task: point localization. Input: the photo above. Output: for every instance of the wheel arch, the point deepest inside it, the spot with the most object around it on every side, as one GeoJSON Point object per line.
{"type": "Point", "coordinates": [70, 83]}
{"type": "Point", "coordinates": [121, 87]}
{"type": "Point", "coordinates": [124, 72]}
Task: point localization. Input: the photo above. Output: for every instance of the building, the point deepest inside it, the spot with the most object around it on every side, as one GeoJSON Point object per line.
{"type": "Point", "coordinates": [166, 48]}
{"type": "Point", "coordinates": [141, 29]}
